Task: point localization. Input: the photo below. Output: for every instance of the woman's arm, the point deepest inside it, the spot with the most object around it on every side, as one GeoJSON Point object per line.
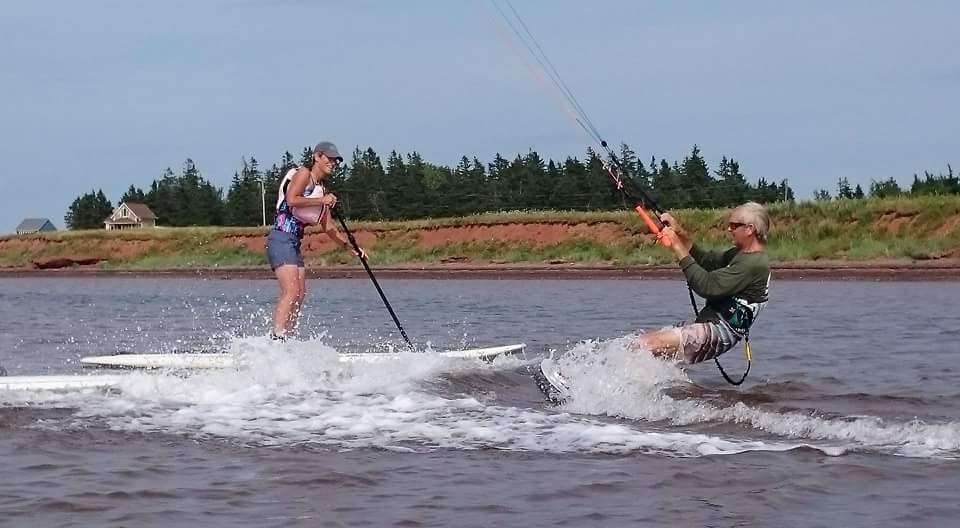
{"type": "Point", "coordinates": [298, 184]}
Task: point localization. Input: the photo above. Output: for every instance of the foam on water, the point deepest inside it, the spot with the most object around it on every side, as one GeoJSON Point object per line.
{"type": "Point", "coordinates": [609, 378]}
{"type": "Point", "coordinates": [300, 394]}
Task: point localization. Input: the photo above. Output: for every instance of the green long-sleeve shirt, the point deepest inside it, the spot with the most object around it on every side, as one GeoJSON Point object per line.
{"type": "Point", "coordinates": [721, 277]}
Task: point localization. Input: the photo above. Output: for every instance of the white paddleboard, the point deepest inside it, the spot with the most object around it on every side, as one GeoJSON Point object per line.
{"type": "Point", "coordinates": [39, 383]}
{"type": "Point", "coordinates": [220, 360]}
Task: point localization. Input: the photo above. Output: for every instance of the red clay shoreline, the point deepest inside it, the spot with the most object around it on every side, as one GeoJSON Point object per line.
{"type": "Point", "coordinates": [933, 270]}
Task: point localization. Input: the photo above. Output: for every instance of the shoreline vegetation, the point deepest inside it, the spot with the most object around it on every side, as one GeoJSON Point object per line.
{"type": "Point", "coordinates": [902, 238]}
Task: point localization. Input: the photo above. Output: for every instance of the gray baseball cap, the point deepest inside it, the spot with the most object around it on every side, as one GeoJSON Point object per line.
{"type": "Point", "coordinates": [328, 149]}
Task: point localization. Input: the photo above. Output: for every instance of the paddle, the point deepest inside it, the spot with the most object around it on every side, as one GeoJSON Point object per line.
{"type": "Point", "coordinates": [356, 249]}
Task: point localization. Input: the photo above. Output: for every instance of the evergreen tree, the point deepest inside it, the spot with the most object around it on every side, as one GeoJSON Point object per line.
{"type": "Point", "coordinates": [162, 199]}
{"type": "Point", "coordinates": [844, 191]}
{"type": "Point", "coordinates": [203, 203]}
{"type": "Point", "coordinates": [306, 157]}
{"type": "Point", "coordinates": [599, 191]}
{"type": "Point", "coordinates": [642, 179]}
{"type": "Point", "coordinates": [438, 190]}
{"type": "Point", "coordinates": [401, 195]}
{"type": "Point", "coordinates": [633, 167]}
{"type": "Point", "coordinates": [245, 206]}
{"type": "Point", "coordinates": [497, 171]}
{"type": "Point", "coordinates": [464, 194]}
{"type": "Point", "coordinates": [885, 189]}
{"type": "Point", "coordinates": [785, 192]}
{"type": "Point", "coordinates": [133, 195]}
{"type": "Point", "coordinates": [185, 200]}
{"type": "Point", "coordinates": [936, 184]}
{"type": "Point", "coordinates": [88, 211]}
{"type": "Point", "coordinates": [364, 186]}
{"type": "Point", "coordinates": [694, 180]}
{"type": "Point", "coordinates": [665, 188]}
{"type": "Point", "coordinates": [565, 193]}
{"type": "Point", "coordinates": [732, 189]}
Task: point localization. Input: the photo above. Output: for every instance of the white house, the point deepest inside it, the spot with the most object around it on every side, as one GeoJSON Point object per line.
{"type": "Point", "coordinates": [130, 215]}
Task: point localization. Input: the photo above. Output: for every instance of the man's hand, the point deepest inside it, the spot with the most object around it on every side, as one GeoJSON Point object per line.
{"type": "Point", "coordinates": [669, 221]}
{"type": "Point", "coordinates": [680, 245]}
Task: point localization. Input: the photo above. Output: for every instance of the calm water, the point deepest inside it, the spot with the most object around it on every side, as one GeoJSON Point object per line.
{"type": "Point", "coordinates": [850, 416]}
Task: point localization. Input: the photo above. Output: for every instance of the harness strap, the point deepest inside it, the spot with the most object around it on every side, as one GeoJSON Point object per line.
{"type": "Point", "coordinates": [747, 351]}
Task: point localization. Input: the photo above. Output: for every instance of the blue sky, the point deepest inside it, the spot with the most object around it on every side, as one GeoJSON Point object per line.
{"type": "Point", "coordinates": [104, 94]}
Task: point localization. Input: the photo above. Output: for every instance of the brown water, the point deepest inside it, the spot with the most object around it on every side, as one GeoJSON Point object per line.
{"type": "Point", "coordinates": [849, 417]}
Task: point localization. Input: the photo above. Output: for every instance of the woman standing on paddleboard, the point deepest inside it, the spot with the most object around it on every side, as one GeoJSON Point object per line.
{"type": "Point", "coordinates": [301, 201]}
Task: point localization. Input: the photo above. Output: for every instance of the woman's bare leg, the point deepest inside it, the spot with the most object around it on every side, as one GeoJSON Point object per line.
{"type": "Point", "coordinates": [287, 307]}
{"type": "Point", "coordinates": [302, 289]}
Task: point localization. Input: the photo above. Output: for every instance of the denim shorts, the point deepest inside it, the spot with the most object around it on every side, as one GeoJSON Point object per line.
{"type": "Point", "coordinates": [283, 249]}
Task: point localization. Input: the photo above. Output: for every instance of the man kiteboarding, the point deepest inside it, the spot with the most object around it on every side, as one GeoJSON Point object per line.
{"type": "Point", "coordinates": [735, 284]}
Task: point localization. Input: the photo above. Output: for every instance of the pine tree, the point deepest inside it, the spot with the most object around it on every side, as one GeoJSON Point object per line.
{"type": "Point", "coordinates": [732, 189]}
{"type": "Point", "coordinates": [88, 211]}
{"type": "Point", "coordinates": [306, 157]}
{"type": "Point", "coordinates": [244, 204]}
{"type": "Point", "coordinates": [885, 189]}
{"type": "Point", "coordinates": [364, 186]}
{"type": "Point", "coordinates": [665, 188]}
{"type": "Point", "coordinates": [844, 191]}
{"type": "Point", "coordinates": [694, 180]}
{"type": "Point", "coordinates": [133, 195]}
{"type": "Point", "coordinates": [162, 199]}
{"type": "Point", "coordinates": [565, 192]}
{"type": "Point", "coordinates": [497, 171]}
{"type": "Point", "coordinates": [599, 190]}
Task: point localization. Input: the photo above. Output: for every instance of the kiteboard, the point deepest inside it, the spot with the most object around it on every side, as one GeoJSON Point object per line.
{"type": "Point", "coordinates": [551, 381]}
{"type": "Point", "coordinates": [225, 360]}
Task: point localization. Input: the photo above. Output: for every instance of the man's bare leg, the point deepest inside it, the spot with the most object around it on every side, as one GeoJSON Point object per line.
{"type": "Point", "coordinates": [663, 344]}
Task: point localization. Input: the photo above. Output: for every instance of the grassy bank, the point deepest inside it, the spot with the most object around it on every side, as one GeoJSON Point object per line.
{"type": "Point", "coordinates": [858, 230]}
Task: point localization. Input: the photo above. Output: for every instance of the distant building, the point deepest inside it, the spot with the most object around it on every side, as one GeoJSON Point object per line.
{"type": "Point", "coordinates": [130, 215]}
{"type": "Point", "coordinates": [35, 225]}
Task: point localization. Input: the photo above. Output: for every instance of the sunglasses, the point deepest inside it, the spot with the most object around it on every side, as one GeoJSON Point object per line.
{"type": "Point", "coordinates": [733, 226]}
{"type": "Point", "coordinates": [334, 161]}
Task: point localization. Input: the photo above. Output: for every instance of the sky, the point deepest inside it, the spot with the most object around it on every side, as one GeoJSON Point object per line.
{"type": "Point", "coordinates": [104, 94]}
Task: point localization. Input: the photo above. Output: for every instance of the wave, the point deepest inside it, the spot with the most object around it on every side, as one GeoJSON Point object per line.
{"type": "Point", "coordinates": [610, 378]}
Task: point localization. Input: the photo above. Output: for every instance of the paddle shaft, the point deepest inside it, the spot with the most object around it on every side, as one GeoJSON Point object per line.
{"type": "Point", "coordinates": [356, 248]}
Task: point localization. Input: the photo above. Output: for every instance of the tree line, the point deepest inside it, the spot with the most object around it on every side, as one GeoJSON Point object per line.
{"type": "Point", "coordinates": [930, 184]}
{"type": "Point", "coordinates": [406, 187]}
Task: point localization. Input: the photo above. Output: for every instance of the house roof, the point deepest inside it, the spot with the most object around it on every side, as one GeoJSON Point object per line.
{"type": "Point", "coordinates": [141, 210]}
{"type": "Point", "coordinates": [32, 224]}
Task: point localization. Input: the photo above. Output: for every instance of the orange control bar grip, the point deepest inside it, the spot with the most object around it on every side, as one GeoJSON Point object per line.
{"type": "Point", "coordinates": [654, 228]}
